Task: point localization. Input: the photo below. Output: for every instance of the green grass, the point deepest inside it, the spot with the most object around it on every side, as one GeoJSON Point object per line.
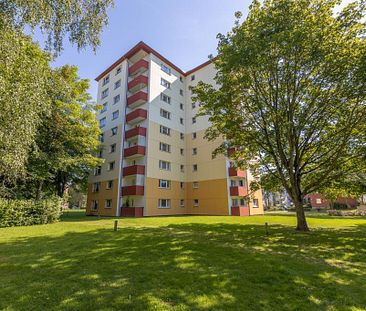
{"type": "Point", "coordinates": [184, 263]}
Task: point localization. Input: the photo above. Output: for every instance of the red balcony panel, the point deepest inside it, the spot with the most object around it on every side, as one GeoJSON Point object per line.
{"type": "Point", "coordinates": [137, 99]}
{"type": "Point", "coordinates": [132, 212]}
{"type": "Point", "coordinates": [141, 131]}
{"type": "Point", "coordinates": [140, 81]}
{"type": "Point", "coordinates": [239, 211]}
{"type": "Point", "coordinates": [234, 172]}
{"type": "Point", "coordinates": [141, 66]}
{"type": "Point", "coordinates": [137, 115]}
{"type": "Point", "coordinates": [237, 191]}
{"type": "Point", "coordinates": [134, 170]}
{"type": "Point", "coordinates": [134, 151]}
{"type": "Point", "coordinates": [133, 190]}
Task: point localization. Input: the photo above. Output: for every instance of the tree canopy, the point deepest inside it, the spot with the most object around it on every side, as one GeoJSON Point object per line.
{"type": "Point", "coordinates": [291, 94]}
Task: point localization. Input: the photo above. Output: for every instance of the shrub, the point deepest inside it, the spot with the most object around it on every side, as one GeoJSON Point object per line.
{"type": "Point", "coordinates": [29, 212]}
{"type": "Point", "coordinates": [346, 213]}
{"type": "Point", "coordinates": [339, 206]}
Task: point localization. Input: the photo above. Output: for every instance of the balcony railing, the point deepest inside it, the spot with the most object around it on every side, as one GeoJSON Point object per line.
{"type": "Point", "coordinates": [134, 151]}
{"type": "Point", "coordinates": [136, 116]}
{"type": "Point", "coordinates": [239, 211]}
{"type": "Point", "coordinates": [137, 99]}
{"type": "Point", "coordinates": [133, 190]}
{"type": "Point", "coordinates": [136, 131]}
{"type": "Point", "coordinates": [238, 191]}
{"type": "Point", "coordinates": [139, 67]}
{"type": "Point", "coordinates": [234, 172]}
{"type": "Point", "coordinates": [138, 83]}
{"type": "Point", "coordinates": [132, 211]}
{"type": "Point", "coordinates": [134, 170]}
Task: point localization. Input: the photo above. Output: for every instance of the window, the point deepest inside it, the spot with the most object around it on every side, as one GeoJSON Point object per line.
{"type": "Point", "coordinates": [193, 77]}
{"type": "Point", "coordinates": [181, 106]}
{"type": "Point", "coordinates": [116, 99]}
{"type": "Point", "coordinates": [181, 136]}
{"type": "Point", "coordinates": [194, 135]}
{"type": "Point", "coordinates": [165, 184]}
{"type": "Point", "coordinates": [318, 201]}
{"type": "Point", "coordinates": [165, 114]}
{"type": "Point", "coordinates": [242, 202]}
{"type": "Point", "coordinates": [98, 171]}
{"type": "Point", "coordinates": [100, 154]}
{"type": "Point", "coordinates": [105, 93]}
{"type": "Point", "coordinates": [195, 185]}
{"type": "Point", "coordinates": [181, 151]}
{"type": "Point", "coordinates": [108, 203]}
{"type": "Point", "coordinates": [181, 79]}
{"type": "Point", "coordinates": [104, 109]}
{"type": "Point", "coordinates": [164, 203]}
{"type": "Point", "coordinates": [193, 105]}
{"type": "Point", "coordinates": [195, 167]}
{"type": "Point", "coordinates": [101, 138]}
{"type": "Point", "coordinates": [194, 151]}
{"type": "Point", "coordinates": [102, 122]}
{"type": "Point", "coordinates": [117, 84]}
{"type": "Point", "coordinates": [242, 183]}
{"type": "Point", "coordinates": [164, 147]}
{"type": "Point", "coordinates": [195, 202]}
{"type": "Point", "coordinates": [115, 115]}
{"type": "Point", "coordinates": [114, 131]}
{"type": "Point", "coordinates": [181, 185]}
{"type": "Point", "coordinates": [109, 184]}
{"type": "Point", "coordinates": [94, 205]}
{"type": "Point", "coordinates": [164, 130]}
{"type": "Point", "coordinates": [234, 202]}
{"type": "Point", "coordinates": [165, 83]}
{"type": "Point", "coordinates": [194, 120]}
{"type": "Point", "coordinates": [255, 203]}
{"type": "Point", "coordinates": [118, 70]}
{"type": "Point", "coordinates": [182, 168]}
{"type": "Point", "coordinates": [111, 166]}
{"type": "Point", "coordinates": [165, 98]}
{"type": "Point", "coordinates": [96, 187]}
{"type": "Point", "coordinates": [105, 80]}
{"type": "Point", "coordinates": [112, 148]}
{"type": "Point", "coordinates": [164, 165]}
{"type": "Point", "coordinates": [181, 204]}
{"type": "Point", "coordinates": [181, 92]}
{"type": "Point", "coordinates": [166, 69]}
{"type": "Point", "coordinates": [181, 121]}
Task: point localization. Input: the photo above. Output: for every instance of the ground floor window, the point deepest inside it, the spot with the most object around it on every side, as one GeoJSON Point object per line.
{"type": "Point", "coordinates": [108, 203]}
{"type": "Point", "coordinates": [164, 203]}
{"type": "Point", "coordinates": [94, 205]}
{"type": "Point", "coordinates": [255, 203]}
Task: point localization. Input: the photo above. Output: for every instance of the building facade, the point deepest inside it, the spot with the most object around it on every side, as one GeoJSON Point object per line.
{"type": "Point", "coordinates": [157, 161]}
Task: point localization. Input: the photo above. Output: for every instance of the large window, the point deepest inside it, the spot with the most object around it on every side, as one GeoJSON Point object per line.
{"type": "Point", "coordinates": [164, 203]}
{"type": "Point", "coordinates": [165, 83]}
{"type": "Point", "coordinates": [164, 130]}
{"type": "Point", "coordinates": [164, 147]}
{"type": "Point", "coordinates": [115, 114]}
{"type": "Point", "coordinates": [96, 187]}
{"type": "Point", "coordinates": [165, 184]}
{"type": "Point", "coordinates": [117, 84]}
{"type": "Point", "coordinates": [164, 165]}
{"type": "Point", "coordinates": [165, 114]}
{"type": "Point", "coordinates": [165, 98]}
{"type": "Point", "coordinates": [94, 205]}
{"type": "Point", "coordinates": [105, 80]}
{"type": "Point", "coordinates": [116, 99]}
{"type": "Point", "coordinates": [166, 69]}
{"type": "Point", "coordinates": [105, 93]}
{"type": "Point", "coordinates": [102, 122]}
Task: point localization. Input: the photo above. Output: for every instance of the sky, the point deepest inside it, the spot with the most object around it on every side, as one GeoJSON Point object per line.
{"type": "Point", "coordinates": [184, 31]}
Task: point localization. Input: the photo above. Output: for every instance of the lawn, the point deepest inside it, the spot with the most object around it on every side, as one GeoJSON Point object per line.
{"type": "Point", "coordinates": [184, 263]}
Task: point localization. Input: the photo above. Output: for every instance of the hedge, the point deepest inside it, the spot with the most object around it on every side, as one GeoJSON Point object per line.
{"type": "Point", "coordinates": [29, 212]}
{"type": "Point", "coordinates": [346, 213]}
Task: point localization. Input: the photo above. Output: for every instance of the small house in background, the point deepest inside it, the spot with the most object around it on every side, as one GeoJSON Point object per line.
{"type": "Point", "coordinates": [318, 201]}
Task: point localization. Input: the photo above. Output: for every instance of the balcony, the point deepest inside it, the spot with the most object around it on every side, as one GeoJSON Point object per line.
{"type": "Point", "coordinates": [234, 172]}
{"type": "Point", "coordinates": [138, 83]}
{"type": "Point", "coordinates": [135, 151]}
{"type": "Point", "coordinates": [134, 170]}
{"type": "Point", "coordinates": [136, 116]}
{"type": "Point", "coordinates": [238, 191]}
{"type": "Point", "coordinates": [133, 190]}
{"type": "Point", "coordinates": [139, 67]}
{"type": "Point", "coordinates": [132, 212]}
{"type": "Point", "coordinates": [137, 131]}
{"type": "Point", "coordinates": [137, 99]}
{"type": "Point", "coordinates": [239, 211]}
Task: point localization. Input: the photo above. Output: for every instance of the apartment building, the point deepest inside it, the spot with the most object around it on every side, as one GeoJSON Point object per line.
{"type": "Point", "coordinates": [157, 161]}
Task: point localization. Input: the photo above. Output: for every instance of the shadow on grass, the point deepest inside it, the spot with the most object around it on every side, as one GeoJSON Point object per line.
{"type": "Point", "coordinates": [186, 267]}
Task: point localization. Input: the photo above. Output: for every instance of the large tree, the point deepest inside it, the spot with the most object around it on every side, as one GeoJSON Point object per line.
{"type": "Point", "coordinates": [291, 94]}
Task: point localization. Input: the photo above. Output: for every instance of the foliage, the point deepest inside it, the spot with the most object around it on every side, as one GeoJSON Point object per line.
{"type": "Point", "coordinates": [291, 93]}
{"type": "Point", "coordinates": [339, 212]}
{"type": "Point", "coordinates": [194, 263]}
{"type": "Point", "coordinates": [80, 21]}
{"type": "Point", "coordinates": [29, 212]}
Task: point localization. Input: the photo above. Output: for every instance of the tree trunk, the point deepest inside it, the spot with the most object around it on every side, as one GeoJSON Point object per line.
{"type": "Point", "coordinates": [39, 191]}
{"type": "Point", "coordinates": [302, 224]}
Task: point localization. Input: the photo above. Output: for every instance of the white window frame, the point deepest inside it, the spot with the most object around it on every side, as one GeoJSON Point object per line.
{"type": "Point", "coordinates": [108, 203]}
{"type": "Point", "coordinates": [105, 93]}
{"type": "Point", "coordinates": [165, 98]}
{"type": "Point", "coordinates": [165, 114]}
{"type": "Point", "coordinates": [105, 80]}
{"type": "Point", "coordinates": [115, 115]}
{"type": "Point", "coordinates": [195, 185]}
{"type": "Point", "coordinates": [196, 202]}
{"type": "Point", "coordinates": [164, 130]}
{"type": "Point", "coordinates": [164, 184]}
{"type": "Point", "coordinates": [102, 122]}
{"type": "Point", "coordinates": [109, 185]}
{"type": "Point", "coordinates": [116, 99]}
{"type": "Point", "coordinates": [164, 165]}
{"type": "Point", "coordinates": [165, 83]}
{"type": "Point", "coordinates": [166, 69]}
{"type": "Point", "coordinates": [117, 84]}
{"type": "Point", "coordinates": [164, 147]}
{"type": "Point", "coordinates": [111, 164]}
{"type": "Point", "coordinates": [181, 203]}
{"type": "Point", "coordinates": [164, 203]}
{"type": "Point", "coordinates": [94, 205]}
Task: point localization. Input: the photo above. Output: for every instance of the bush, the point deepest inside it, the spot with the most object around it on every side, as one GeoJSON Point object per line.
{"type": "Point", "coordinates": [346, 213]}
{"type": "Point", "coordinates": [339, 206]}
{"type": "Point", "coordinates": [29, 212]}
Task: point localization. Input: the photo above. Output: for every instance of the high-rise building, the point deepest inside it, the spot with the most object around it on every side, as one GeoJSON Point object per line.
{"type": "Point", "coordinates": [157, 161]}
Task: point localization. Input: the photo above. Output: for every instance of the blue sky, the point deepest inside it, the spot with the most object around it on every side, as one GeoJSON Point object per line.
{"type": "Point", "coordinates": [184, 31]}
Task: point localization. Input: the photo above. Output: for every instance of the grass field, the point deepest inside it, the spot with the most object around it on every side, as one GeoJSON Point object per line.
{"type": "Point", "coordinates": [184, 263]}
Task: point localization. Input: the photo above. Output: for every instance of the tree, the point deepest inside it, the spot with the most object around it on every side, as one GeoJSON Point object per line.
{"type": "Point", "coordinates": [291, 94]}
